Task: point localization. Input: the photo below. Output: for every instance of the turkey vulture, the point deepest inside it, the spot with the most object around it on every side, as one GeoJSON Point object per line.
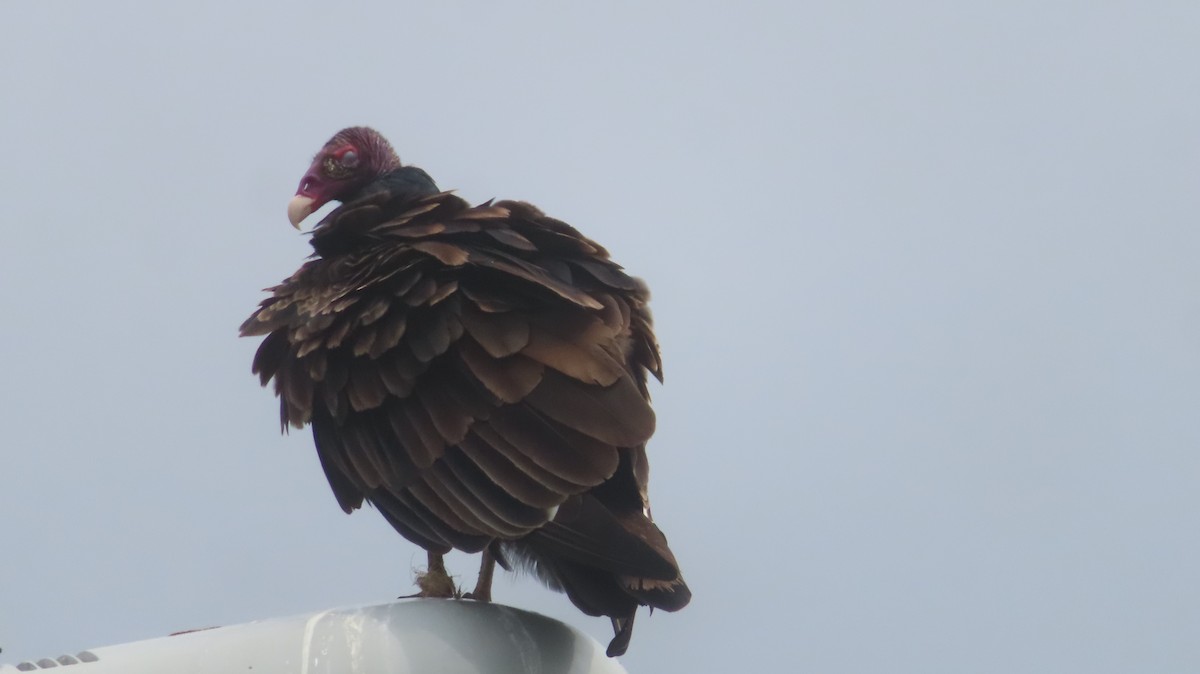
{"type": "Point", "coordinates": [478, 374]}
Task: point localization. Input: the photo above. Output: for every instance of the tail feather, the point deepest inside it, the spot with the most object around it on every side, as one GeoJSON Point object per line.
{"type": "Point", "coordinates": [587, 531]}
{"type": "Point", "coordinates": [668, 595]}
{"type": "Point", "coordinates": [607, 564]}
{"type": "Point", "coordinates": [622, 633]}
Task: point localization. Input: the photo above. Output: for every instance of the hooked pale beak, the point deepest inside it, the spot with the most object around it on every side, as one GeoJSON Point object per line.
{"type": "Point", "coordinates": [300, 207]}
{"type": "Point", "coordinates": [309, 197]}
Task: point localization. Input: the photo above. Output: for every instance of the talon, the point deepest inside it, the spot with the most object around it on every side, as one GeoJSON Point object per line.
{"type": "Point", "coordinates": [483, 588]}
{"type": "Point", "coordinates": [435, 582]}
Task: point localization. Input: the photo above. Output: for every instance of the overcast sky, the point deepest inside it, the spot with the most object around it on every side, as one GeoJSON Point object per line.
{"type": "Point", "coordinates": [925, 276]}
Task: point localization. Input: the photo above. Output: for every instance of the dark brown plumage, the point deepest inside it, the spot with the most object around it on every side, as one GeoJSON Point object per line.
{"type": "Point", "coordinates": [476, 373]}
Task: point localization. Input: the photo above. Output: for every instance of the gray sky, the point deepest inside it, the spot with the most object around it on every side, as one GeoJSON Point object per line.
{"type": "Point", "coordinates": [925, 278]}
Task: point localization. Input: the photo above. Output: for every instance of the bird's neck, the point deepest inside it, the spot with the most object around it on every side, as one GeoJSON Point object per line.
{"type": "Point", "coordinates": [348, 227]}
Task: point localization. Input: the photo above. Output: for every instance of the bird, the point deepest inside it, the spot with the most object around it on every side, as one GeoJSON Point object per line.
{"type": "Point", "coordinates": [477, 374]}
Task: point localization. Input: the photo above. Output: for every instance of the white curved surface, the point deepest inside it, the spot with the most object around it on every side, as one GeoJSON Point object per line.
{"type": "Point", "coordinates": [415, 636]}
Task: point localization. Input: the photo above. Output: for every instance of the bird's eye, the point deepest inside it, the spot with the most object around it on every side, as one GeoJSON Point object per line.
{"type": "Point", "coordinates": [335, 168]}
{"type": "Point", "coordinates": [350, 158]}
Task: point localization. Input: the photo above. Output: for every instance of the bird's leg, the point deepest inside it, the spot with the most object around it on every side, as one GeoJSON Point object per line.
{"type": "Point", "coordinates": [435, 582]}
{"type": "Point", "coordinates": [483, 588]}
